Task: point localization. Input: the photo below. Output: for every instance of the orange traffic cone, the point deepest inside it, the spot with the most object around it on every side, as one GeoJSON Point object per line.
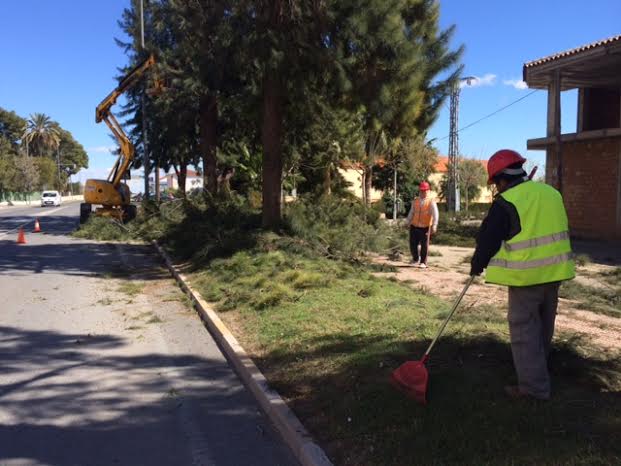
{"type": "Point", "coordinates": [21, 237]}
{"type": "Point", "coordinates": [37, 226]}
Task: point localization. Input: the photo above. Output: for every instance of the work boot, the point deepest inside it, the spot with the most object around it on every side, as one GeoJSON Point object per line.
{"type": "Point", "coordinates": [414, 262]}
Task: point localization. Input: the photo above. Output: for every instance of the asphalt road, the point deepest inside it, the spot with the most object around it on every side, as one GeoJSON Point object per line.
{"type": "Point", "coordinates": [61, 219]}
{"type": "Point", "coordinates": [103, 363]}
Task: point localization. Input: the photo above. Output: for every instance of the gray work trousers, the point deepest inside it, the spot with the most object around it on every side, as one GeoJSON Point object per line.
{"type": "Point", "coordinates": [532, 312]}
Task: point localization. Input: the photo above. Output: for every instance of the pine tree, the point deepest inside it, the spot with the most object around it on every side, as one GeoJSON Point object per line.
{"type": "Point", "coordinates": [392, 52]}
{"type": "Point", "coordinates": [11, 131]}
{"type": "Point", "coordinates": [286, 44]}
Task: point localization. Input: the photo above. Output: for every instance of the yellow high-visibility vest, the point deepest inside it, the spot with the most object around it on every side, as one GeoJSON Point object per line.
{"type": "Point", "coordinates": [541, 251]}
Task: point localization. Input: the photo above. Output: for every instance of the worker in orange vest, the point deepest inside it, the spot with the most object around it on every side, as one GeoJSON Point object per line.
{"type": "Point", "coordinates": [422, 221]}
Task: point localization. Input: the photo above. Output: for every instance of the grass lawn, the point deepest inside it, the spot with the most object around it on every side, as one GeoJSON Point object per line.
{"type": "Point", "coordinates": [605, 299]}
{"type": "Point", "coordinates": [327, 336]}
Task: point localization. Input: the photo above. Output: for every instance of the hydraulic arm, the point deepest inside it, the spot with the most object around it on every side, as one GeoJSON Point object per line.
{"type": "Point", "coordinates": [112, 194]}
{"type": "Point", "coordinates": [102, 113]}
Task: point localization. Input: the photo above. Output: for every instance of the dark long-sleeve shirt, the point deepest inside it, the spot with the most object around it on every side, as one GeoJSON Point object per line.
{"type": "Point", "coordinates": [501, 224]}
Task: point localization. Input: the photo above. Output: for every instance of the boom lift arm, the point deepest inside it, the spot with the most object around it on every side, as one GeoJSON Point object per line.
{"type": "Point", "coordinates": [103, 113]}
{"type": "Point", "coordinates": [113, 196]}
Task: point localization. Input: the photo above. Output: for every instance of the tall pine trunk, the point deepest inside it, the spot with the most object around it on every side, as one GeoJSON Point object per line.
{"type": "Point", "coordinates": [271, 137]}
{"type": "Point", "coordinates": [209, 141]}
{"type": "Point", "coordinates": [368, 180]}
{"type": "Point", "coordinates": [182, 175]}
{"type": "Point", "coordinates": [327, 180]}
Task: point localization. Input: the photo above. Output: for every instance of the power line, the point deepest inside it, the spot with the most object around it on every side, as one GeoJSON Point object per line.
{"type": "Point", "coordinates": [490, 115]}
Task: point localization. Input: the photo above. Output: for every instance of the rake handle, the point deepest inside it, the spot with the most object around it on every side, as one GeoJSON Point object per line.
{"type": "Point", "coordinates": [446, 321]}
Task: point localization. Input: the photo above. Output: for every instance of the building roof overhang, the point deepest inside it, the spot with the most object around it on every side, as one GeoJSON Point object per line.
{"type": "Point", "coordinates": [593, 65]}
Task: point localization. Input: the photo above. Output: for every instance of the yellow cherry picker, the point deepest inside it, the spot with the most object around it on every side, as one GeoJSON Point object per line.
{"type": "Point", "coordinates": [111, 195]}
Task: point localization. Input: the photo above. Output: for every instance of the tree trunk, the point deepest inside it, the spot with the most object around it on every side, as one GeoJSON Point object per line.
{"type": "Point", "coordinates": [209, 141]}
{"type": "Point", "coordinates": [368, 179]}
{"type": "Point", "coordinates": [271, 136]}
{"type": "Point", "coordinates": [394, 195]}
{"type": "Point", "coordinates": [327, 181]}
{"type": "Point", "coordinates": [183, 174]}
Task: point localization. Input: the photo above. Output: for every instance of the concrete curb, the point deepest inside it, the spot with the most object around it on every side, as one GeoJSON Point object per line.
{"type": "Point", "coordinates": [293, 432]}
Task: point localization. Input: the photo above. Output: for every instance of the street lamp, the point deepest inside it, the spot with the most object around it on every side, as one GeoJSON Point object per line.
{"type": "Point", "coordinates": [453, 198]}
{"type": "Point", "coordinates": [145, 141]}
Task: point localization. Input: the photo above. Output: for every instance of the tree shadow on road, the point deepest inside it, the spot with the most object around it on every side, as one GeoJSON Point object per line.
{"type": "Point", "coordinates": [81, 258]}
{"type": "Point", "coordinates": [90, 400]}
{"type": "Point", "coordinates": [54, 225]}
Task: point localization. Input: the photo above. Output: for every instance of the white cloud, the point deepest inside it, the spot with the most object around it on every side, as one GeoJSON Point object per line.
{"type": "Point", "coordinates": [517, 83]}
{"type": "Point", "coordinates": [488, 79]}
{"type": "Point", "coordinates": [101, 149]}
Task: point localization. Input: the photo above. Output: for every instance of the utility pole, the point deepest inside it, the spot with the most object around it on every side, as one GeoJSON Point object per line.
{"type": "Point", "coordinates": [394, 195]}
{"type": "Point", "coordinates": [453, 195]}
{"type": "Point", "coordinates": [58, 168]}
{"type": "Point", "coordinates": [145, 147]}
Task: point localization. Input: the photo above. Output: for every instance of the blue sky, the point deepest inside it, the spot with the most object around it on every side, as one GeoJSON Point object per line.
{"type": "Point", "coordinates": [59, 57]}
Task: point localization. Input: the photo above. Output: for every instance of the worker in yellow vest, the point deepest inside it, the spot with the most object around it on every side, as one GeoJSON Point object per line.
{"type": "Point", "coordinates": [524, 244]}
{"type": "Point", "coordinates": [422, 221]}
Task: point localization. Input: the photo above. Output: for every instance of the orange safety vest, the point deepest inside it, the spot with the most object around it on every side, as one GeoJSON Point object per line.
{"type": "Point", "coordinates": [423, 212]}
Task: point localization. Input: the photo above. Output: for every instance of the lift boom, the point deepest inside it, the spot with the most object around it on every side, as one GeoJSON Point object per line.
{"type": "Point", "coordinates": [111, 193]}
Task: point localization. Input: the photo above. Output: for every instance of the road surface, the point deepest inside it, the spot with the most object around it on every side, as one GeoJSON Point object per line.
{"type": "Point", "coordinates": [102, 362]}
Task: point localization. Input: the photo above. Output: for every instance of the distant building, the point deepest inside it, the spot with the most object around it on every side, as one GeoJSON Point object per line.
{"type": "Point", "coordinates": [586, 165]}
{"type": "Point", "coordinates": [440, 171]}
{"type": "Point", "coordinates": [192, 181]}
{"type": "Point", "coordinates": [352, 173]}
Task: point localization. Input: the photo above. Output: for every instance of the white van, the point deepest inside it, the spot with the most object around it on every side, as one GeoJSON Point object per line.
{"type": "Point", "coordinates": [50, 198]}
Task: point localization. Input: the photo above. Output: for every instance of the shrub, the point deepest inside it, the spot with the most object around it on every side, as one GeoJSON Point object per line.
{"type": "Point", "coordinates": [103, 229]}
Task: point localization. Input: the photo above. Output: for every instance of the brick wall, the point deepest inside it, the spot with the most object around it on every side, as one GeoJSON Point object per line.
{"type": "Point", "coordinates": [590, 186]}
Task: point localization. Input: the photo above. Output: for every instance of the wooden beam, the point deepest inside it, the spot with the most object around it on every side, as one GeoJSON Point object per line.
{"type": "Point", "coordinates": [580, 121]}
{"type": "Point", "coordinates": [560, 62]}
{"type": "Point", "coordinates": [578, 58]}
{"type": "Point", "coordinates": [619, 193]}
{"type": "Point", "coordinates": [554, 106]}
{"type": "Point", "coordinates": [579, 71]}
{"type": "Point", "coordinates": [554, 165]}
{"type": "Point", "coordinates": [544, 143]}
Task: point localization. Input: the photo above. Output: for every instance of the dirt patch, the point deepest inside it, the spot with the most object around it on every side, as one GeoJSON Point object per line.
{"type": "Point", "coordinates": [446, 275]}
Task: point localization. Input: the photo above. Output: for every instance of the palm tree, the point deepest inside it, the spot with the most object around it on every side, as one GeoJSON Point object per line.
{"type": "Point", "coordinates": [41, 132]}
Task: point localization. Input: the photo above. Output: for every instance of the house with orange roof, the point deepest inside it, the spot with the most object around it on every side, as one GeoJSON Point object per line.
{"type": "Point", "coordinates": [352, 173]}
{"type": "Point", "coordinates": [440, 171]}
{"type": "Point", "coordinates": [171, 181]}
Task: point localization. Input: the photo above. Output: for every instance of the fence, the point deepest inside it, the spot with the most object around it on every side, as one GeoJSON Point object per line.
{"type": "Point", "coordinates": [9, 198]}
{"type": "Point", "coordinates": [19, 197]}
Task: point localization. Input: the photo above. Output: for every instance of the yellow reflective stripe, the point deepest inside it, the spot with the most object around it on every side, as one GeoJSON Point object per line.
{"type": "Point", "coordinates": [533, 264]}
{"type": "Point", "coordinates": [534, 242]}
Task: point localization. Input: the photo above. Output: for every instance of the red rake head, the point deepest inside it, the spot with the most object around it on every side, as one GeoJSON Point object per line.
{"type": "Point", "coordinates": [411, 378]}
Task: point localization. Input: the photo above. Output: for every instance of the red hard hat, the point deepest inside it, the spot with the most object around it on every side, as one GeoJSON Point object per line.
{"type": "Point", "coordinates": [424, 186]}
{"type": "Point", "coordinates": [501, 160]}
